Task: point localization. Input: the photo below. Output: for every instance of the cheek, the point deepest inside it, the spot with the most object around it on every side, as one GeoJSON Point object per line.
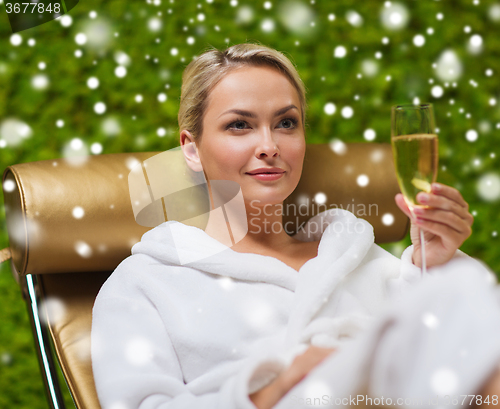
{"type": "Point", "coordinates": [220, 159]}
{"type": "Point", "coordinates": [296, 152]}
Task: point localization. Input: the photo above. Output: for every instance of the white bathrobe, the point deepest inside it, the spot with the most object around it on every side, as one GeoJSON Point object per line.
{"type": "Point", "coordinates": [207, 333]}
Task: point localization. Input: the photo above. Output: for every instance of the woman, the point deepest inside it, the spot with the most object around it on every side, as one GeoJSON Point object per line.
{"type": "Point", "coordinates": [220, 331]}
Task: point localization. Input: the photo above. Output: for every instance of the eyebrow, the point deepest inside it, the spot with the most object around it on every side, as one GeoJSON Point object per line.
{"type": "Point", "coordinates": [249, 114]}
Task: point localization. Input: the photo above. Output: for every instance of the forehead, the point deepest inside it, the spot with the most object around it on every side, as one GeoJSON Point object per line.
{"type": "Point", "coordinates": [253, 85]}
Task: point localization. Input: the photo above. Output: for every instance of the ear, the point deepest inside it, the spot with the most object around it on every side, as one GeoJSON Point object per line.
{"type": "Point", "coordinates": [190, 151]}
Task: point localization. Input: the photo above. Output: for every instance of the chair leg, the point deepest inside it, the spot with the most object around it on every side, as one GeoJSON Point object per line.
{"type": "Point", "coordinates": [46, 360]}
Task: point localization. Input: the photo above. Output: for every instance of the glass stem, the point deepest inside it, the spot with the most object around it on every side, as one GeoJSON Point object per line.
{"type": "Point", "coordinates": [422, 252]}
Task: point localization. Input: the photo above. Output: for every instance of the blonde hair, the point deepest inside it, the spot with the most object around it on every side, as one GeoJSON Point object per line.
{"type": "Point", "coordinates": [207, 70]}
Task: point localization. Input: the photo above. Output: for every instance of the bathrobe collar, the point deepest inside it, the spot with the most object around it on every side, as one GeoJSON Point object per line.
{"type": "Point", "coordinates": [344, 241]}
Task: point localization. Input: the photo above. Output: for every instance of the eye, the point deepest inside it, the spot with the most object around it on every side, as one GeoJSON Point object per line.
{"type": "Point", "coordinates": [288, 123]}
{"type": "Point", "coordinates": [239, 125]}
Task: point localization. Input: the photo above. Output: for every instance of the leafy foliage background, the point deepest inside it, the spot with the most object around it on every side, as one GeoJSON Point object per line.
{"type": "Point", "coordinates": [44, 83]}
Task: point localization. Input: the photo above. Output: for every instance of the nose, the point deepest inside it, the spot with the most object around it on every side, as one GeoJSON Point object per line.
{"type": "Point", "coordinates": [267, 145]}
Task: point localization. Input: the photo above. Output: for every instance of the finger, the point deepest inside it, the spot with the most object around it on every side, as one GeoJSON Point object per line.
{"type": "Point", "coordinates": [450, 237]}
{"type": "Point", "coordinates": [449, 192]}
{"type": "Point", "coordinates": [443, 203]}
{"type": "Point", "coordinates": [400, 201]}
{"type": "Point", "coordinates": [444, 217]}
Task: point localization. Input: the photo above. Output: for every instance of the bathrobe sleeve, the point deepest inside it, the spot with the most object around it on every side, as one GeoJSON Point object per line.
{"type": "Point", "coordinates": [135, 364]}
{"type": "Point", "coordinates": [410, 274]}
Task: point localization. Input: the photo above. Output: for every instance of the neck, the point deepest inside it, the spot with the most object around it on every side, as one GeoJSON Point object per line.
{"type": "Point", "coordinates": [258, 226]}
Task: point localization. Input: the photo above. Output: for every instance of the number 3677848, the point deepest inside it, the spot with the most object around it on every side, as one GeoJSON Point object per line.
{"type": "Point", "coordinates": [39, 8]}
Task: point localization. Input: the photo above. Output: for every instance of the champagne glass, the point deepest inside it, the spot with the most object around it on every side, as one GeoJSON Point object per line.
{"type": "Point", "coordinates": [415, 149]}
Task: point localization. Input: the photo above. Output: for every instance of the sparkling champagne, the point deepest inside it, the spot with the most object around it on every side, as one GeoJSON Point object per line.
{"type": "Point", "coordinates": [416, 161]}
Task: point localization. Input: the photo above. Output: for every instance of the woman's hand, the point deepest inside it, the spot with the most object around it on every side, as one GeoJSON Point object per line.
{"type": "Point", "coordinates": [269, 396]}
{"type": "Point", "coordinates": [446, 223]}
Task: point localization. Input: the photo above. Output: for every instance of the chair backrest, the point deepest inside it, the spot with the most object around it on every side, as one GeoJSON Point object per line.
{"type": "Point", "coordinates": [79, 221]}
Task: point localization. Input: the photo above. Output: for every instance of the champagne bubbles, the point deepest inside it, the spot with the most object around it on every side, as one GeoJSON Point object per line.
{"type": "Point", "coordinates": [354, 18]}
{"type": "Point", "coordinates": [448, 66]}
{"type": "Point", "coordinates": [394, 16]}
{"type": "Point", "coordinates": [40, 82]}
{"type": "Point", "coordinates": [297, 17]}
{"type": "Point", "coordinates": [16, 40]}
{"type": "Point", "coordinates": [110, 127]}
{"type": "Point", "coordinates": [419, 40]}
{"type": "Point", "coordinates": [340, 52]}
{"type": "Point", "coordinates": [75, 152]}
{"type": "Point", "coordinates": [13, 132]}
{"type": "Point", "coordinates": [245, 15]}
{"type": "Point", "coordinates": [370, 68]}
{"type": "Point", "coordinates": [155, 24]}
{"type": "Point", "coordinates": [330, 108]}
{"type": "Point", "coordinates": [488, 187]}
{"type": "Point", "coordinates": [475, 44]}
{"type": "Point", "coordinates": [471, 135]}
{"type": "Point", "coordinates": [494, 13]}
{"type": "Point", "coordinates": [267, 25]}
{"type": "Point", "coordinates": [437, 91]}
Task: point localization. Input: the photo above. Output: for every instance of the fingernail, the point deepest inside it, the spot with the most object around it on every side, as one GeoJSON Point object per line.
{"type": "Point", "coordinates": [436, 187]}
{"type": "Point", "coordinates": [418, 210]}
{"type": "Point", "coordinates": [423, 197]}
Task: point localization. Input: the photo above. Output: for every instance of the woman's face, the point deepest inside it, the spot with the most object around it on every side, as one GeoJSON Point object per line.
{"type": "Point", "coordinates": [253, 121]}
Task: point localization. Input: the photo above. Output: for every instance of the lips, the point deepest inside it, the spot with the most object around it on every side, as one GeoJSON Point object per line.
{"type": "Point", "coordinates": [266, 171]}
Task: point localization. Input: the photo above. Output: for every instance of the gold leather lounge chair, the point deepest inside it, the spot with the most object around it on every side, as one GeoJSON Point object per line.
{"type": "Point", "coordinates": [70, 226]}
